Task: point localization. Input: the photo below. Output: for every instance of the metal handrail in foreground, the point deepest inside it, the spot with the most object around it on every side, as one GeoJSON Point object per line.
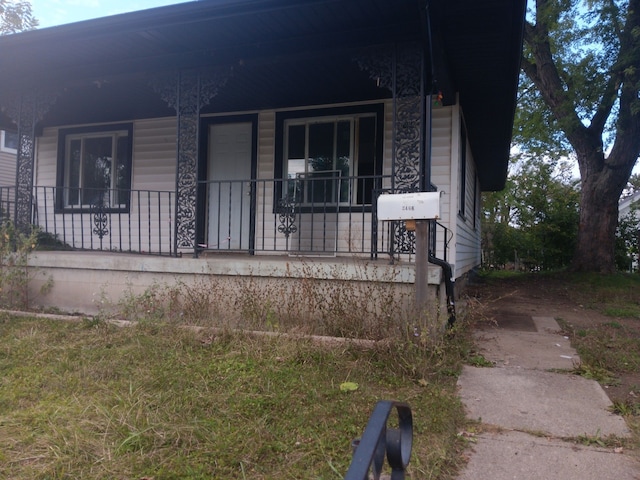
{"type": "Point", "coordinates": [379, 441]}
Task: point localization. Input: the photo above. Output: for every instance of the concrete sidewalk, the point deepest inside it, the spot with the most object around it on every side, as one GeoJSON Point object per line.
{"type": "Point", "coordinates": [533, 413]}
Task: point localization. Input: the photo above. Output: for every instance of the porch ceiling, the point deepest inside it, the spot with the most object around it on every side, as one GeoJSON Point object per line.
{"type": "Point", "coordinates": [283, 53]}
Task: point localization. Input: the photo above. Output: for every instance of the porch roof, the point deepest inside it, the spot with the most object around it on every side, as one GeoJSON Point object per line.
{"type": "Point", "coordinates": [474, 47]}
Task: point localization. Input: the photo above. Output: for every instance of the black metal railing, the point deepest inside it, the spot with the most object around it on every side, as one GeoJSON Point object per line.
{"type": "Point", "coordinates": [379, 441]}
{"type": "Point", "coordinates": [310, 216]}
{"type": "Point", "coordinates": [439, 238]}
{"type": "Point", "coordinates": [132, 221]}
{"type": "Point", "coordinates": [324, 214]}
{"type": "Point", "coordinates": [7, 203]}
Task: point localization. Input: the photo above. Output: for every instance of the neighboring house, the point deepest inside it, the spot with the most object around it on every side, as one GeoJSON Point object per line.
{"type": "Point", "coordinates": [263, 127]}
{"type": "Point", "coordinates": [629, 206]}
{"type": "Point", "coordinates": [8, 150]}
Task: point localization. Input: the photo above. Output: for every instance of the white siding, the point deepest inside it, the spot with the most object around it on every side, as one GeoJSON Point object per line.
{"type": "Point", "coordinates": [154, 154]}
{"type": "Point", "coordinates": [441, 131]}
{"type": "Point", "coordinates": [467, 225]}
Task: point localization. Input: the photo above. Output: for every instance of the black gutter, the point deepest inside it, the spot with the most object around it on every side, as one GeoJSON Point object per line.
{"type": "Point", "coordinates": [447, 269]}
{"type": "Point", "coordinates": [449, 284]}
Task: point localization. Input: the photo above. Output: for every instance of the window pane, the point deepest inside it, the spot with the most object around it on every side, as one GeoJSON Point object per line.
{"type": "Point", "coordinates": [321, 175]}
{"type": "Point", "coordinates": [366, 158]}
{"type": "Point", "coordinates": [96, 170]}
{"type": "Point", "coordinates": [295, 148]}
{"type": "Point", "coordinates": [73, 172]}
{"type": "Point", "coordinates": [343, 157]}
{"type": "Point", "coordinates": [321, 146]}
{"type": "Point", "coordinates": [123, 174]}
{"type": "Point", "coordinates": [11, 140]}
{"type": "Point", "coordinates": [296, 162]}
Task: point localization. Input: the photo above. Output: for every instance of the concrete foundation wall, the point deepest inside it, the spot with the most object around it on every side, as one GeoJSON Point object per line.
{"type": "Point", "coordinates": [91, 283]}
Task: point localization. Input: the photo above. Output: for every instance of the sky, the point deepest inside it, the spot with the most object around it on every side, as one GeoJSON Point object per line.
{"type": "Point", "coordinates": [57, 12]}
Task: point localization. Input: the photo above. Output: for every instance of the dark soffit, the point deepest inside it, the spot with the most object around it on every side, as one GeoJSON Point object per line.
{"type": "Point", "coordinates": [476, 50]}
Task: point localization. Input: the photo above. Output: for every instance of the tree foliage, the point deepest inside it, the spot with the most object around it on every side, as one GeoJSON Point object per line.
{"type": "Point", "coordinates": [533, 223]}
{"type": "Point", "coordinates": [581, 98]}
{"type": "Point", "coordinates": [16, 16]}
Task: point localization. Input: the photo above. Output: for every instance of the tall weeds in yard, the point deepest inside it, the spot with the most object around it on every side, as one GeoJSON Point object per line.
{"type": "Point", "coordinates": [346, 300]}
{"type": "Point", "coordinates": [15, 274]}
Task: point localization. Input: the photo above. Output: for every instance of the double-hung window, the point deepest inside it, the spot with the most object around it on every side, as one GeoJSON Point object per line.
{"type": "Point", "coordinates": [331, 160]}
{"type": "Point", "coordinates": [94, 168]}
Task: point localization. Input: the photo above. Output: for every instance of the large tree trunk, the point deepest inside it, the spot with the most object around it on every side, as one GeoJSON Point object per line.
{"type": "Point", "coordinates": [596, 232]}
{"type": "Point", "coordinates": [601, 186]}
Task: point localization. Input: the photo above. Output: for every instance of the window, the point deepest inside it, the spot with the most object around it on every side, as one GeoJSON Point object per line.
{"type": "Point", "coordinates": [94, 167]}
{"type": "Point", "coordinates": [8, 141]}
{"type": "Point", "coordinates": [330, 160]}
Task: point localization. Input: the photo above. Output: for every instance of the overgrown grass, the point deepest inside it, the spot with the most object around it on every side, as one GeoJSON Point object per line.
{"type": "Point", "coordinates": [15, 247]}
{"type": "Point", "coordinates": [611, 346]}
{"type": "Point", "coordinates": [614, 295]}
{"type": "Point", "coordinates": [156, 400]}
{"type": "Point", "coordinates": [313, 301]}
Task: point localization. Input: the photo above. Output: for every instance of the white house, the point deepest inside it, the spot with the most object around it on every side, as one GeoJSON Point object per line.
{"type": "Point", "coordinates": [155, 141]}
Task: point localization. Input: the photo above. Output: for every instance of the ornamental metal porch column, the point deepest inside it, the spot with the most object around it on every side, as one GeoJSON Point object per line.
{"type": "Point", "coordinates": [400, 69]}
{"type": "Point", "coordinates": [26, 110]}
{"type": "Point", "coordinates": [187, 93]}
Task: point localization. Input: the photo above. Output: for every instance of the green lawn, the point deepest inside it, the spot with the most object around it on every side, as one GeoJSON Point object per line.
{"type": "Point", "coordinates": [94, 401]}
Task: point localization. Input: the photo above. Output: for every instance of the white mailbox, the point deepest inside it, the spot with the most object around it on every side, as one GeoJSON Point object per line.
{"type": "Point", "coordinates": [409, 206]}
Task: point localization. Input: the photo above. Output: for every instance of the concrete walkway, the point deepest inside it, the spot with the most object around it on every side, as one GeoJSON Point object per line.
{"type": "Point", "coordinates": [532, 415]}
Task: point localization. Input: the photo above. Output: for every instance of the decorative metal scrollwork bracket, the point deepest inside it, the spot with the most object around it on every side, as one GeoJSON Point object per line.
{"type": "Point", "coordinates": [287, 216]}
{"type": "Point", "coordinates": [26, 110]}
{"type": "Point", "coordinates": [100, 219]}
{"type": "Point", "coordinates": [399, 69]}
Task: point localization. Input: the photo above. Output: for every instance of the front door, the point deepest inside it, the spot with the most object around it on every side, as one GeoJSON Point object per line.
{"type": "Point", "coordinates": [229, 192]}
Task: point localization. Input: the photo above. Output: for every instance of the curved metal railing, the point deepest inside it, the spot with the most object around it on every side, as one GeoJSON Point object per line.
{"type": "Point", "coordinates": [379, 441]}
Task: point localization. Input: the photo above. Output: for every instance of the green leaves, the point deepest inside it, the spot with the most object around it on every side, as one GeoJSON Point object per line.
{"type": "Point", "coordinates": [16, 17]}
{"type": "Point", "coordinates": [534, 221]}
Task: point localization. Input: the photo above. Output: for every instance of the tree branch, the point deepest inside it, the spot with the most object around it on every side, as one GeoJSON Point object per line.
{"type": "Point", "coordinates": [627, 144]}
{"type": "Point", "coordinates": [610, 93]}
{"type": "Point", "coordinates": [543, 72]}
{"type": "Point", "coordinates": [607, 101]}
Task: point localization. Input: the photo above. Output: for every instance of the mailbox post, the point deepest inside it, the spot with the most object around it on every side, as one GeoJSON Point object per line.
{"type": "Point", "coordinates": [416, 209]}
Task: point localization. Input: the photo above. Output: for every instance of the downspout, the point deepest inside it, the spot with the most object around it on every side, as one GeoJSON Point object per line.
{"type": "Point", "coordinates": [449, 285]}
{"type": "Point", "coordinates": [447, 269]}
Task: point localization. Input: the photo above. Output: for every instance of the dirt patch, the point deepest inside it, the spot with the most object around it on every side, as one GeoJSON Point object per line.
{"type": "Point", "coordinates": [510, 303]}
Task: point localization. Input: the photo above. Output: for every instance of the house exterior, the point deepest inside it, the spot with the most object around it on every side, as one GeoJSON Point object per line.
{"type": "Point", "coordinates": [8, 150]}
{"type": "Point", "coordinates": [262, 129]}
{"type": "Point", "coordinates": [628, 210]}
